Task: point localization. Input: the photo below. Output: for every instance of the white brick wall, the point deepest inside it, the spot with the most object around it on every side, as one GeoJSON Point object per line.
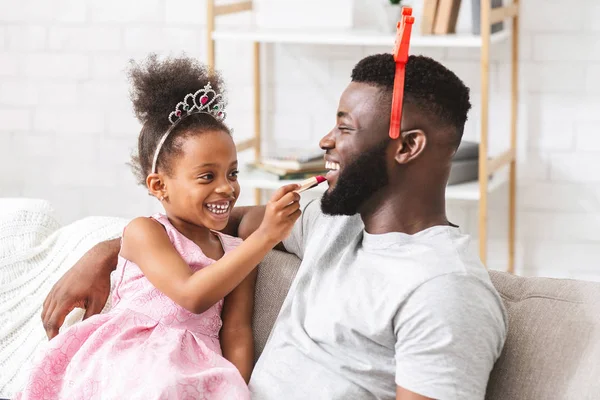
{"type": "Point", "coordinates": [67, 129]}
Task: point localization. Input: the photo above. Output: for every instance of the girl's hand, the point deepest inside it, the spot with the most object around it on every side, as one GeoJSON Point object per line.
{"type": "Point", "coordinates": [281, 213]}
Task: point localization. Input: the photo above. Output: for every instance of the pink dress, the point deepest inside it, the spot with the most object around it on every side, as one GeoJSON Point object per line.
{"type": "Point", "coordinates": [145, 347]}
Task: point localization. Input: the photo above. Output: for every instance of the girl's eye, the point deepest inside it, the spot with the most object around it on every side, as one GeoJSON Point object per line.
{"type": "Point", "coordinates": [207, 177]}
{"type": "Point", "coordinates": [234, 174]}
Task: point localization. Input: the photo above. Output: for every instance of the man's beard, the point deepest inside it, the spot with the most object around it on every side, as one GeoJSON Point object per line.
{"type": "Point", "coordinates": [357, 182]}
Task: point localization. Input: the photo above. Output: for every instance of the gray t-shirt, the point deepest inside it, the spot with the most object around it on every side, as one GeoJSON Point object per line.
{"type": "Point", "coordinates": [368, 312]}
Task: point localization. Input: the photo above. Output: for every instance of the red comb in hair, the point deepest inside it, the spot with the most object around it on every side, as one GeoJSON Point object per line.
{"type": "Point", "coordinates": [404, 29]}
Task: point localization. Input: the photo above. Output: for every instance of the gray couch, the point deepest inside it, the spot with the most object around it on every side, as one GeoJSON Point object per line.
{"type": "Point", "coordinates": [553, 345]}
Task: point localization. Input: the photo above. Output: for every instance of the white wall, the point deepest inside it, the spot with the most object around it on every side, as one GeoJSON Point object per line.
{"type": "Point", "coordinates": [66, 126]}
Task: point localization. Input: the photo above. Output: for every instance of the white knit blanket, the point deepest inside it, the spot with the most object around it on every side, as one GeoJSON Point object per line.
{"type": "Point", "coordinates": [35, 251]}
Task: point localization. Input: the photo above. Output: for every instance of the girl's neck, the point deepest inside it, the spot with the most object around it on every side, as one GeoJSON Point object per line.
{"type": "Point", "coordinates": [206, 239]}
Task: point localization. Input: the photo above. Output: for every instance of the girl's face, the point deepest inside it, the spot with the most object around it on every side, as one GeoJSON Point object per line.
{"type": "Point", "coordinates": [203, 185]}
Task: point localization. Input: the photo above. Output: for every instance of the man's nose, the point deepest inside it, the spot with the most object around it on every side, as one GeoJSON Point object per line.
{"type": "Point", "coordinates": [327, 141]}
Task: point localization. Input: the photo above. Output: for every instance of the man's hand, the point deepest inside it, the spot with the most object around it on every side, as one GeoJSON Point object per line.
{"type": "Point", "coordinates": [86, 285]}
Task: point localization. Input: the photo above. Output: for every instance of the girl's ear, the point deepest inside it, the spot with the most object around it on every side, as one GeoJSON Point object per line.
{"type": "Point", "coordinates": [156, 186]}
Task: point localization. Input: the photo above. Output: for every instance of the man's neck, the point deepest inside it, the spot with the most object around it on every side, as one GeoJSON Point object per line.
{"type": "Point", "coordinates": [408, 213]}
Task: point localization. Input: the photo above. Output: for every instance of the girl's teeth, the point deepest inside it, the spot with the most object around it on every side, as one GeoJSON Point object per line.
{"type": "Point", "coordinates": [218, 208]}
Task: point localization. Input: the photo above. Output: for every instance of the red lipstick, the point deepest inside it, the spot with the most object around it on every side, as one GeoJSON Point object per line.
{"type": "Point", "coordinates": [310, 183]}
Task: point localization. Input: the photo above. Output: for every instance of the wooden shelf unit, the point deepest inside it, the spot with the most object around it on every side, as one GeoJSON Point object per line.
{"type": "Point", "coordinates": [470, 191]}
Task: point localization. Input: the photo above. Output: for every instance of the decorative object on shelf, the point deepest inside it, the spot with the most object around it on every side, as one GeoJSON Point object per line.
{"type": "Point", "coordinates": [465, 163]}
{"type": "Point", "coordinates": [390, 13]}
{"type": "Point", "coordinates": [297, 15]}
{"type": "Point", "coordinates": [476, 17]}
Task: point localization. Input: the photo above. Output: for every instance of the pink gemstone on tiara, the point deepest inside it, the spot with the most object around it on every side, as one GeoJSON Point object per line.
{"type": "Point", "coordinates": [203, 99]}
{"type": "Point", "coordinates": [178, 113]}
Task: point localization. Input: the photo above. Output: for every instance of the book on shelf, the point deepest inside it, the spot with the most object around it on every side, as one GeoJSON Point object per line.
{"type": "Point", "coordinates": [446, 17]}
{"type": "Point", "coordinates": [287, 174]}
{"type": "Point", "coordinates": [428, 17]}
{"type": "Point", "coordinates": [295, 160]}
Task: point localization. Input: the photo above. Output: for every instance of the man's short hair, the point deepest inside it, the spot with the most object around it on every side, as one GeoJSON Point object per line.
{"type": "Point", "coordinates": [433, 88]}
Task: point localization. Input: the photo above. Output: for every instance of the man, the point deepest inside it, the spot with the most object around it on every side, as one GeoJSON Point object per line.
{"type": "Point", "coordinates": [388, 302]}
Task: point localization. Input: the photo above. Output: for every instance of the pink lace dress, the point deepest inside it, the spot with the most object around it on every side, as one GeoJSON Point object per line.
{"type": "Point", "coordinates": [146, 347]}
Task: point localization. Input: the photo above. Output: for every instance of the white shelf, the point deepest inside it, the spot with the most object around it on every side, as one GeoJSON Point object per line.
{"type": "Point", "coordinates": [351, 37]}
{"type": "Point", "coordinates": [468, 191]}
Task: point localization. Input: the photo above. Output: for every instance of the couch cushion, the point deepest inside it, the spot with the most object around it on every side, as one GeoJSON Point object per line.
{"type": "Point", "coordinates": [553, 346]}
{"type": "Point", "coordinates": [275, 275]}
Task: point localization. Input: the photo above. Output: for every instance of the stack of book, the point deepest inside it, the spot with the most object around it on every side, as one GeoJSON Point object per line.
{"type": "Point", "coordinates": [292, 165]}
{"type": "Point", "coordinates": [440, 16]}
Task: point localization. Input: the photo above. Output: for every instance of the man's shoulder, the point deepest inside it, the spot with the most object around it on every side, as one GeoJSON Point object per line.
{"type": "Point", "coordinates": [462, 298]}
{"type": "Point", "coordinates": [442, 271]}
{"type": "Point", "coordinates": [460, 285]}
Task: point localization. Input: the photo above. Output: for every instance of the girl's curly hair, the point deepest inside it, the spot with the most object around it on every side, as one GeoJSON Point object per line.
{"type": "Point", "coordinates": [156, 88]}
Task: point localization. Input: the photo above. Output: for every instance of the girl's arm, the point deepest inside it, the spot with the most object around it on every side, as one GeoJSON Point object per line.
{"type": "Point", "coordinates": [147, 244]}
{"type": "Point", "coordinates": [237, 341]}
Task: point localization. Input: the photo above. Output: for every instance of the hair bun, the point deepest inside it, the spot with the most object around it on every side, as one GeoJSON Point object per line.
{"type": "Point", "coordinates": [157, 86]}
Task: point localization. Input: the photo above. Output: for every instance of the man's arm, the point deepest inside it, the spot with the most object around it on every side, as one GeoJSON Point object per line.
{"type": "Point", "coordinates": [85, 285]}
{"type": "Point", "coordinates": [449, 334]}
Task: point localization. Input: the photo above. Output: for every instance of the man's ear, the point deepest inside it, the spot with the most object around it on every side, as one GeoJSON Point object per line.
{"type": "Point", "coordinates": [410, 145]}
{"type": "Point", "coordinates": [156, 186]}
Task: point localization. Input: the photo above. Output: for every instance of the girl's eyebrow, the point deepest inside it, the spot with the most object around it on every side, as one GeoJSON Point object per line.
{"type": "Point", "coordinates": [206, 165]}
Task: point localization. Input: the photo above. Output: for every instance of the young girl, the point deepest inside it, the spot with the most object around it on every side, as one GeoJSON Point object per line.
{"type": "Point", "coordinates": [170, 334]}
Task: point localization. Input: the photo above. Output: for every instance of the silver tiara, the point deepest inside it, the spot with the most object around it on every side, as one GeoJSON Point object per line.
{"type": "Point", "coordinates": [204, 101]}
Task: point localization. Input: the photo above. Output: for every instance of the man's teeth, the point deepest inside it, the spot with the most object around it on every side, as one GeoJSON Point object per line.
{"type": "Point", "coordinates": [332, 165]}
{"type": "Point", "coordinates": [220, 208]}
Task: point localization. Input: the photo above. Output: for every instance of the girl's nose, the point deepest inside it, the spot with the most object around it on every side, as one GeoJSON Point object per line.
{"type": "Point", "coordinates": [226, 188]}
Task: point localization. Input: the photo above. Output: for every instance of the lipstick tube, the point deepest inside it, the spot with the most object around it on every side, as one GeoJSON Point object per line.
{"type": "Point", "coordinates": [310, 183]}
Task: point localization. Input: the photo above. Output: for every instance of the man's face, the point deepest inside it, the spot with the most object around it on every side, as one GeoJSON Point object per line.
{"type": "Point", "coordinates": [356, 150]}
